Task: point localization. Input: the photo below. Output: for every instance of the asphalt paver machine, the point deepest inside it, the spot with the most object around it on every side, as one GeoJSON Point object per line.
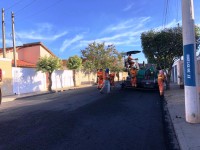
{"type": "Point", "coordinates": [146, 73]}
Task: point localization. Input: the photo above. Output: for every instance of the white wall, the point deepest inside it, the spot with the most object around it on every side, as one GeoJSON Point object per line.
{"type": "Point", "coordinates": [27, 80]}
{"type": "Point", "coordinates": [62, 79]}
{"type": "Point", "coordinates": [176, 76]}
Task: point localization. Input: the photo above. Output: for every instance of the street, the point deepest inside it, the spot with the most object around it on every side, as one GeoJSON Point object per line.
{"type": "Point", "coordinates": [84, 119]}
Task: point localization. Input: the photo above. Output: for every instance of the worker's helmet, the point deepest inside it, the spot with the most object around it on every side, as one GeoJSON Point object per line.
{"type": "Point", "coordinates": [107, 70]}
{"type": "Point", "coordinates": [161, 72]}
{"type": "Point", "coordinates": [134, 67]}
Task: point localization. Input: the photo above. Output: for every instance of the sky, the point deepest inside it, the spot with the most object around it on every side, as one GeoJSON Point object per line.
{"type": "Point", "coordinates": [67, 27]}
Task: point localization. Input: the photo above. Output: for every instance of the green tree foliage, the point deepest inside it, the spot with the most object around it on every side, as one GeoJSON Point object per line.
{"type": "Point", "coordinates": [98, 56]}
{"type": "Point", "coordinates": [48, 65]}
{"type": "Point", "coordinates": [74, 63]}
{"type": "Point", "coordinates": [164, 47]}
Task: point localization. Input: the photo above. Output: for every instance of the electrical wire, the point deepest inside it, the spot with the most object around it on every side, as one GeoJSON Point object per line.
{"type": "Point", "coordinates": [13, 5]}
{"type": "Point", "coordinates": [177, 5]}
{"type": "Point", "coordinates": [166, 13]}
{"type": "Point", "coordinates": [25, 6]}
{"type": "Point", "coordinates": [48, 7]}
{"type": "Point", "coordinates": [18, 37]}
{"type": "Point", "coordinates": [164, 9]}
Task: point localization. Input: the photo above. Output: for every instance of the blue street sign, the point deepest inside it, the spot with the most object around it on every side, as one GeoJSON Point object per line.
{"type": "Point", "coordinates": [189, 65]}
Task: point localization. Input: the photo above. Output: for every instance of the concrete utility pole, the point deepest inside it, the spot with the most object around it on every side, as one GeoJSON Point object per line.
{"type": "Point", "coordinates": [3, 35]}
{"type": "Point", "coordinates": [13, 37]}
{"type": "Point", "coordinates": [192, 104]}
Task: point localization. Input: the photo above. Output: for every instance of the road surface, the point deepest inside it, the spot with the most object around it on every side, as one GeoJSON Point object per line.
{"type": "Point", "coordinates": [84, 119]}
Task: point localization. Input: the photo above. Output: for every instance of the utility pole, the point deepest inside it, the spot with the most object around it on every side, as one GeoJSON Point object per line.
{"type": "Point", "coordinates": [13, 37]}
{"type": "Point", "coordinates": [192, 104]}
{"type": "Point", "coordinates": [3, 35]}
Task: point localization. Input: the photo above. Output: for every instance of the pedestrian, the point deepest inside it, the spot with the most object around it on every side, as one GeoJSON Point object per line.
{"type": "Point", "coordinates": [106, 83]}
{"type": "Point", "coordinates": [161, 80]}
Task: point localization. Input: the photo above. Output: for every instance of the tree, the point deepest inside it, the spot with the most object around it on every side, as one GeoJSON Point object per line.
{"type": "Point", "coordinates": [74, 63]}
{"type": "Point", "coordinates": [164, 47]}
{"type": "Point", "coordinates": [48, 65]}
{"type": "Point", "coordinates": [98, 56]}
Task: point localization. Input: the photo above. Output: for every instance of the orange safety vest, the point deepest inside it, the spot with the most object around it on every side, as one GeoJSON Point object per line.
{"type": "Point", "coordinates": [133, 73]}
{"type": "Point", "coordinates": [112, 77]}
{"type": "Point", "coordinates": [100, 74]}
{"type": "Point", "coordinates": [161, 78]}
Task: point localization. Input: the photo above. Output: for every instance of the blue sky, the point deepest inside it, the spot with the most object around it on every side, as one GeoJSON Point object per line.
{"type": "Point", "coordinates": [66, 27]}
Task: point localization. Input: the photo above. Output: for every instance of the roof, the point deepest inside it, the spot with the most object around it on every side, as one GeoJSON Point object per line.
{"type": "Point", "coordinates": [28, 45]}
{"type": "Point", "coordinates": [35, 44]}
{"type": "Point", "coordinates": [133, 52]}
{"type": "Point", "coordinates": [21, 63]}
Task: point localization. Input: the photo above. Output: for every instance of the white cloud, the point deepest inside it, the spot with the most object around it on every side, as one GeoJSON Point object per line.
{"type": "Point", "coordinates": [44, 27]}
{"type": "Point", "coordinates": [42, 31]}
{"type": "Point", "coordinates": [127, 24]}
{"type": "Point", "coordinates": [128, 7]}
{"type": "Point", "coordinates": [171, 24]}
{"type": "Point", "coordinates": [34, 35]}
{"type": "Point", "coordinates": [68, 42]}
{"type": "Point", "coordinates": [124, 33]}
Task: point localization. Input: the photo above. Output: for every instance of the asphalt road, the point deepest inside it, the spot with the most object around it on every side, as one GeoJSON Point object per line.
{"type": "Point", "coordinates": [84, 119]}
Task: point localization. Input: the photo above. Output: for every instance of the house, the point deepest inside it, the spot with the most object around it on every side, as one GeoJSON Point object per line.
{"type": "Point", "coordinates": [177, 74]}
{"type": "Point", "coordinates": [28, 54]}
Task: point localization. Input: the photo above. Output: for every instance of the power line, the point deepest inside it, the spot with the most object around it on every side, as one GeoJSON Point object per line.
{"type": "Point", "coordinates": [177, 15]}
{"type": "Point", "coordinates": [13, 5]}
{"type": "Point", "coordinates": [25, 6]}
{"type": "Point", "coordinates": [18, 37]}
{"type": "Point", "coordinates": [166, 12]}
{"type": "Point", "coordinates": [48, 7]}
{"type": "Point", "coordinates": [164, 9]}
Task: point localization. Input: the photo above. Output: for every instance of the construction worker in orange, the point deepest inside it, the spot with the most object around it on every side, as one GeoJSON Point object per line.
{"type": "Point", "coordinates": [161, 80]}
{"type": "Point", "coordinates": [130, 60]}
{"type": "Point", "coordinates": [133, 73]}
{"type": "Point", "coordinates": [100, 76]}
{"type": "Point", "coordinates": [112, 77]}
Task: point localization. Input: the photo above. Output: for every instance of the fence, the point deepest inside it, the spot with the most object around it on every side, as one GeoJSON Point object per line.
{"type": "Point", "coordinates": [27, 80]}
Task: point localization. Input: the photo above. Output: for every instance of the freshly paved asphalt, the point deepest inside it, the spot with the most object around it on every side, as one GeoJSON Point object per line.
{"type": "Point", "coordinates": [84, 119]}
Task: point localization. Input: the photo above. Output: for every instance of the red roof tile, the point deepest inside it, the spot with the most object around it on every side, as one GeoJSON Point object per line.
{"type": "Point", "coordinates": [21, 63]}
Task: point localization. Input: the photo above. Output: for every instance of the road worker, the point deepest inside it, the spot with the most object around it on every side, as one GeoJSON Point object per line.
{"type": "Point", "coordinates": [112, 77]}
{"type": "Point", "coordinates": [100, 76]}
{"type": "Point", "coordinates": [133, 73]}
{"type": "Point", "coordinates": [130, 61]}
{"type": "Point", "coordinates": [161, 80]}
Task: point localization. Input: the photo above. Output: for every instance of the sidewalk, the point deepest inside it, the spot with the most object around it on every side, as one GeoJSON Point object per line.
{"type": "Point", "coordinates": [188, 135]}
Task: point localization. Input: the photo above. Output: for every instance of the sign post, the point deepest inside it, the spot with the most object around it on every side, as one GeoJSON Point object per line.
{"type": "Point", "coordinates": [192, 105]}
